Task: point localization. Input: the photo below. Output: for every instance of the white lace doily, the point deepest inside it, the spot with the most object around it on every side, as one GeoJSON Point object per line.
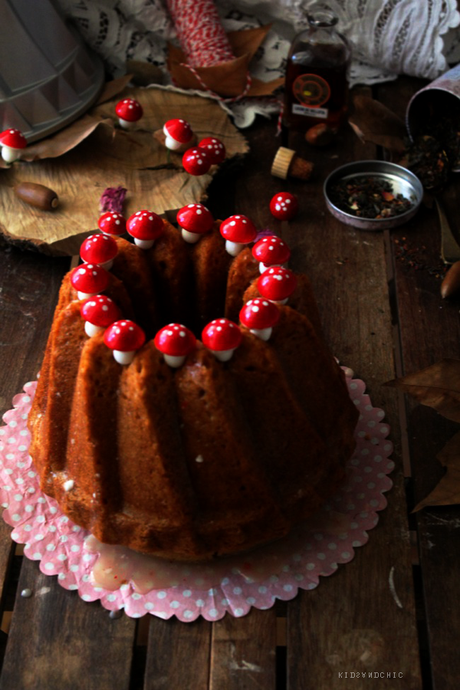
{"type": "Point", "coordinates": [389, 37]}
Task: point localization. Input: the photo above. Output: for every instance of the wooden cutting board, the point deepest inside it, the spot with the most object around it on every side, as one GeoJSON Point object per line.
{"type": "Point", "coordinates": [108, 156]}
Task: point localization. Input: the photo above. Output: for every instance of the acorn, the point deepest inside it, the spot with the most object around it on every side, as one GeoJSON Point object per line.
{"type": "Point", "coordinates": [37, 195]}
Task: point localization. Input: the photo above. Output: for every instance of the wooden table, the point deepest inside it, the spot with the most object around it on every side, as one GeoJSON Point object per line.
{"type": "Point", "coordinates": [395, 609]}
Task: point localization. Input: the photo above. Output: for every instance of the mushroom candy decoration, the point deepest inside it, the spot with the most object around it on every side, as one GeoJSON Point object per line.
{"type": "Point", "coordinates": [214, 148]}
{"type": "Point", "coordinates": [124, 338]}
{"type": "Point", "coordinates": [145, 227]}
{"type": "Point", "coordinates": [129, 112]}
{"type": "Point", "coordinates": [237, 231]}
{"type": "Point", "coordinates": [99, 312]}
{"type": "Point", "coordinates": [260, 315]}
{"type": "Point", "coordinates": [277, 284]}
{"type": "Point", "coordinates": [99, 249]}
{"type": "Point", "coordinates": [89, 280]}
{"type": "Point", "coordinates": [178, 134]}
{"type": "Point", "coordinates": [221, 337]}
{"type": "Point", "coordinates": [112, 223]}
{"type": "Point", "coordinates": [196, 161]}
{"type": "Point", "coordinates": [270, 251]}
{"type": "Point", "coordinates": [194, 220]}
{"type": "Point", "coordinates": [12, 141]}
{"type": "Point", "coordinates": [175, 342]}
{"type": "Point", "coordinates": [284, 206]}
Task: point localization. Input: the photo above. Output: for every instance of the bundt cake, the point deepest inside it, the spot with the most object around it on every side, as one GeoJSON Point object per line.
{"type": "Point", "coordinates": [204, 459]}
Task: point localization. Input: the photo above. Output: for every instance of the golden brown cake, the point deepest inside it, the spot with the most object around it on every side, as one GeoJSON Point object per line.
{"type": "Point", "coordinates": [207, 459]}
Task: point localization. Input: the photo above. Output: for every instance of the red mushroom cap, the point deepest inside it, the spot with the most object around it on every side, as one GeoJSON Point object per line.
{"type": "Point", "coordinates": [98, 249]}
{"type": "Point", "coordinates": [284, 206]}
{"type": "Point", "coordinates": [175, 340]}
{"type": "Point", "coordinates": [14, 138]}
{"type": "Point", "coordinates": [214, 148]}
{"type": "Point", "coordinates": [277, 283]}
{"type": "Point", "coordinates": [179, 130]}
{"type": "Point", "coordinates": [195, 218]}
{"type": "Point", "coordinates": [129, 109]}
{"type": "Point", "coordinates": [112, 223]}
{"type": "Point", "coordinates": [196, 161]}
{"type": "Point", "coordinates": [271, 251]}
{"type": "Point", "coordinates": [221, 334]}
{"type": "Point", "coordinates": [100, 311]}
{"type": "Point", "coordinates": [238, 229]}
{"type": "Point", "coordinates": [145, 225]}
{"type": "Point", "coordinates": [89, 279]}
{"type": "Point", "coordinates": [259, 313]}
{"type": "Point", "coordinates": [124, 335]}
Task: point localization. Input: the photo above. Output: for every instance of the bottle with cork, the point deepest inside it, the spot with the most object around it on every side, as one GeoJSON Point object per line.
{"type": "Point", "coordinates": [316, 87]}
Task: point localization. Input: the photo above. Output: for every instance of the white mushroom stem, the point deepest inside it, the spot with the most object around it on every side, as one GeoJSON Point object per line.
{"type": "Point", "coordinates": [10, 154]}
{"type": "Point", "coordinates": [223, 355]}
{"type": "Point", "coordinates": [262, 333]}
{"type": "Point", "coordinates": [190, 237]}
{"type": "Point", "coordinates": [172, 144]}
{"type": "Point", "coordinates": [123, 357]}
{"type": "Point", "coordinates": [91, 329]}
{"type": "Point", "coordinates": [144, 244]}
{"type": "Point", "coordinates": [85, 295]}
{"type": "Point", "coordinates": [174, 361]}
{"type": "Point", "coordinates": [233, 248]}
{"type": "Point", "coordinates": [126, 124]}
{"type": "Point", "coordinates": [263, 267]}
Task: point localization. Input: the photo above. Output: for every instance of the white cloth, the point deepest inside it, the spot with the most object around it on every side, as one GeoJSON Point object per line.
{"type": "Point", "coordinates": [388, 37]}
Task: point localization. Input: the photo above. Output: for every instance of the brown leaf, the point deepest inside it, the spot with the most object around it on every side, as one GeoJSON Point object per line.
{"type": "Point", "coordinates": [437, 386]}
{"type": "Point", "coordinates": [374, 122]}
{"type": "Point", "coordinates": [447, 492]}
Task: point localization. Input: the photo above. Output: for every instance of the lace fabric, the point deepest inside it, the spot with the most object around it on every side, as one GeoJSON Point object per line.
{"type": "Point", "coordinates": [388, 37]}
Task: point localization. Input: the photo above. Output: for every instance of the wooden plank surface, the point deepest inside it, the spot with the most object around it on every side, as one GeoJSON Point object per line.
{"type": "Point", "coordinates": [429, 331]}
{"type": "Point", "coordinates": [69, 643]}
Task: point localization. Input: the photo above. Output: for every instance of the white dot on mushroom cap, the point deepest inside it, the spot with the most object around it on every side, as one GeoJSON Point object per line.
{"type": "Point", "coordinates": [277, 207]}
{"type": "Point", "coordinates": [82, 271]}
{"type": "Point", "coordinates": [169, 332]}
{"type": "Point", "coordinates": [255, 308]}
{"type": "Point", "coordinates": [199, 211]}
{"type": "Point", "coordinates": [218, 328]}
{"type": "Point", "coordinates": [287, 201]}
{"type": "Point", "coordinates": [278, 277]}
{"type": "Point", "coordinates": [182, 334]}
{"type": "Point", "coordinates": [105, 307]}
{"type": "Point", "coordinates": [265, 303]}
{"type": "Point", "coordinates": [271, 248]}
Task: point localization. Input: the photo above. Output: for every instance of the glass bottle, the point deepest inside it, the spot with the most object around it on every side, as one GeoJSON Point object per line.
{"type": "Point", "coordinates": [316, 88]}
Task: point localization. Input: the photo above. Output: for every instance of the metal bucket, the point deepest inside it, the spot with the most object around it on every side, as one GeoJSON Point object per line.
{"type": "Point", "coordinates": [47, 76]}
{"type": "Point", "coordinates": [439, 97]}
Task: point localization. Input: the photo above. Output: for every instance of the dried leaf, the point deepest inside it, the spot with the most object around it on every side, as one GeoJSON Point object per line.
{"type": "Point", "coordinates": [374, 122]}
{"type": "Point", "coordinates": [447, 492]}
{"type": "Point", "coordinates": [437, 386]}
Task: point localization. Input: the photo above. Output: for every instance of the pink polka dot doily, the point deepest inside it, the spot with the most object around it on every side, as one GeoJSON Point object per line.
{"type": "Point", "coordinates": [168, 589]}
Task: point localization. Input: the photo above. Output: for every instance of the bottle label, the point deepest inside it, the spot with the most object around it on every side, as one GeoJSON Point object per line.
{"type": "Point", "coordinates": [320, 113]}
{"type": "Point", "coordinates": [311, 90]}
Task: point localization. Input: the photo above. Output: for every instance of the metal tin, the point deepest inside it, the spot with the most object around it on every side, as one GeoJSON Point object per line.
{"type": "Point", "coordinates": [402, 180]}
{"type": "Point", "coordinates": [438, 97]}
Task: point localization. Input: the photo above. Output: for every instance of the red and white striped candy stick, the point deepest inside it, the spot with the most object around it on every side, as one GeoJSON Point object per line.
{"type": "Point", "coordinates": [200, 33]}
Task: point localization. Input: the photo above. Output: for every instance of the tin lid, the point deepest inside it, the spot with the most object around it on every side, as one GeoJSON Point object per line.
{"type": "Point", "coordinates": [282, 162]}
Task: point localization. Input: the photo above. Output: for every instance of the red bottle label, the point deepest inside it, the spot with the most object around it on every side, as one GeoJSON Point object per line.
{"type": "Point", "coordinates": [311, 90]}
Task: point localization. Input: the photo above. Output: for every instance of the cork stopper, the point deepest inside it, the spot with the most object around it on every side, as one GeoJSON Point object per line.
{"type": "Point", "coordinates": [282, 162]}
{"type": "Point", "coordinates": [288, 164]}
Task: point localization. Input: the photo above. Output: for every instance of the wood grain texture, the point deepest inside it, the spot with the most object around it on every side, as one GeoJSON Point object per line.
{"type": "Point", "coordinates": [58, 641]}
{"type": "Point", "coordinates": [244, 652]}
{"type": "Point", "coordinates": [110, 157]}
{"type": "Point", "coordinates": [429, 331]}
{"type": "Point", "coordinates": [178, 655]}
